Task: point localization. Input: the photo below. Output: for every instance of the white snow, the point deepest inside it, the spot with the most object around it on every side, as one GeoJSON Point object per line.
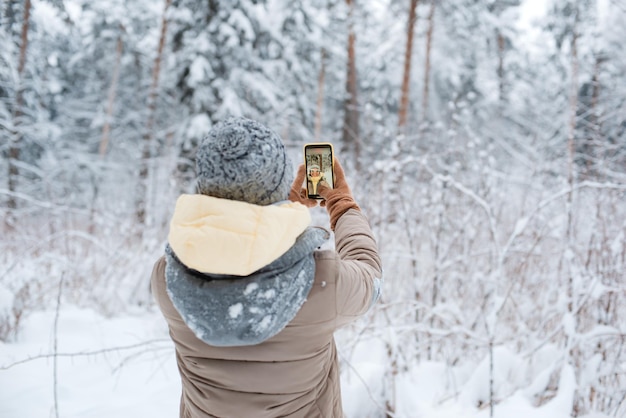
{"type": "Point", "coordinates": [617, 244]}
{"type": "Point", "coordinates": [531, 11]}
{"type": "Point", "coordinates": [250, 288]}
{"type": "Point", "coordinates": [48, 17]}
{"type": "Point", "coordinates": [265, 322]}
{"type": "Point", "coordinates": [119, 367]}
{"type": "Point", "coordinates": [530, 34]}
{"type": "Point", "coordinates": [235, 310]}
{"type": "Point", "coordinates": [125, 367]}
{"type": "Point", "coordinates": [199, 72]}
{"type": "Point", "coordinates": [199, 125]}
{"type": "Point", "coordinates": [241, 22]}
{"type": "Point", "coordinates": [520, 225]}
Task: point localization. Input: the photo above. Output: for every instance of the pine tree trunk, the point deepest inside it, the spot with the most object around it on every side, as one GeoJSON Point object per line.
{"type": "Point", "coordinates": [500, 41]}
{"type": "Point", "coordinates": [391, 396]}
{"type": "Point", "coordinates": [320, 96]}
{"type": "Point", "coordinates": [350, 132]}
{"type": "Point", "coordinates": [594, 139]}
{"type": "Point", "coordinates": [106, 129]}
{"type": "Point", "coordinates": [429, 43]}
{"type": "Point", "coordinates": [406, 78]}
{"type": "Point", "coordinates": [148, 135]}
{"type": "Point", "coordinates": [569, 233]}
{"type": "Point", "coordinates": [571, 149]}
{"type": "Point", "coordinates": [14, 148]}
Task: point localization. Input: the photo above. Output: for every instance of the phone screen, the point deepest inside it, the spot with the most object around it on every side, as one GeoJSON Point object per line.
{"type": "Point", "coordinates": [318, 159]}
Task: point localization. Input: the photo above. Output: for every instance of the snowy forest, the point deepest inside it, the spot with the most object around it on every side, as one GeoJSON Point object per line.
{"type": "Point", "coordinates": [484, 139]}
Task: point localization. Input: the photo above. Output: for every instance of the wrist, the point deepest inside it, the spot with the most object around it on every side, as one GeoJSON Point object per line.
{"type": "Point", "coordinates": [337, 205]}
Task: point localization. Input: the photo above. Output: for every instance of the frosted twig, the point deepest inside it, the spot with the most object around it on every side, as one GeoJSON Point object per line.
{"type": "Point", "coordinates": [479, 200]}
{"type": "Point", "coordinates": [86, 353]}
{"type": "Point", "coordinates": [555, 197]}
{"type": "Point", "coordinates": [54, 364]}
{"type": "Point", "coordinates": [388, 413]}
{"type": "Point", "coordinates": [41, 204]}
{"type": "Point", "coordinates": [132, 357]}
{"type": "Point", "coordinates": [61, 234]}
{"type": "Point", "coordinates": [619, 405]}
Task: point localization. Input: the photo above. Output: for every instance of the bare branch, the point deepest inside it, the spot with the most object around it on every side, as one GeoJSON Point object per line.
{"type": "Point", "coordinates": [166, 345]}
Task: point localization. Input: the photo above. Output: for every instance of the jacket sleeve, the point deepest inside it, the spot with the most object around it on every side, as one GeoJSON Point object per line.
{"type": "Point", "coordinates": [359, 272]}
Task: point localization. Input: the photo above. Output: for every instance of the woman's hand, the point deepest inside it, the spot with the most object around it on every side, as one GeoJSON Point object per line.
{"type": "Point", "coordinates": [298, 193]}
{"type": "Point", "coordinates": [339, 199]}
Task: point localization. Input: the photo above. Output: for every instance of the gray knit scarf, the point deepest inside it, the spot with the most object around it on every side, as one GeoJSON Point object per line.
{"type": "Point", "coordinates": [229, 311]}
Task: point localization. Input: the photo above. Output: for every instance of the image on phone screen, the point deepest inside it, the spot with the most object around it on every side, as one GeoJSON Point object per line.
{"type": "Point", "coordinates": [319, 168]}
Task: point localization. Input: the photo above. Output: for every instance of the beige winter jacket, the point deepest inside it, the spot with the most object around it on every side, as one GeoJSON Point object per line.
{"type": "Point", "coordinates": [296, 372]}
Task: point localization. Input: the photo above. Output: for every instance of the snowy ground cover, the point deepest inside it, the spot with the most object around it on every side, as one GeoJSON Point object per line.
{"type": "Point", "coordinates": [124, 366]}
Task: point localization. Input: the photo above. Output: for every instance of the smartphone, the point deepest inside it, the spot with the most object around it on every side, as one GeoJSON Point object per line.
{"type": "Point", "coordinates": [318, 162]}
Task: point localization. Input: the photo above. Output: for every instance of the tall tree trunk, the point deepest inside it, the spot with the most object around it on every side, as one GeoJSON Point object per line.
{"type": "Point", "coordinates": [148, 135]}
{"type": "Point", "coordinates": [350, 132]}
{"type": "Point", "coordinates": [106, 129]}
{"type": "Point", "coordinates": [18, 113]}
{"type": "Point", "coordinates": [571, 149]}
{"type": "Point", "coordinates": [566, 268]}
{"type": "Point", "coordinates": [406, 78]}
{"type": "Point", "coordinates": [429, 43]}
{"type": "Point", "coordinates": [593, 139]}
{"type": "Point", "coordinates": [500, 41]}
{"type": "Point", "coordinates": [320, 96]}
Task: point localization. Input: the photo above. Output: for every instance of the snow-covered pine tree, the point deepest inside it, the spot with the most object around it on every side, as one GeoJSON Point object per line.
{"type": "Point", "coordinates": [16, 136]}
{"type": "Point", "coordinates": [8, 69]}
{"type": "Point", "coordinates": [250, 58]}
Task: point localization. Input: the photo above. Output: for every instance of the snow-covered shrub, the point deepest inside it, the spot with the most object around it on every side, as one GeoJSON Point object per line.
{"type": "Point", "coordinates": [7, 319]}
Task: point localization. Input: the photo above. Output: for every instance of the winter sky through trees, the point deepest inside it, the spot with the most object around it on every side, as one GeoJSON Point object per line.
{"type": "Point", "coordinates": [490, 158]}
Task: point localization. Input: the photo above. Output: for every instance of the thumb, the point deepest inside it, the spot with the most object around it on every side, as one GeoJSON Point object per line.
{"type": "Point", "coordinates": [338, 174]}
{"type": "Point", "coordinates": [323, 188]}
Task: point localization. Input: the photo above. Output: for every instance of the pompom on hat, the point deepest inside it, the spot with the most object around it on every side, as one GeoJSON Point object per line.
{"type": "Point", "coordinates": [240, 159]}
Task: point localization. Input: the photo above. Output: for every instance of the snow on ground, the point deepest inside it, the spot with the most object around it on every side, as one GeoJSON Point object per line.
{"type": "Point", "coordinates": [133, 382]}
{"type": "Point", "coordinates": [125, 367]}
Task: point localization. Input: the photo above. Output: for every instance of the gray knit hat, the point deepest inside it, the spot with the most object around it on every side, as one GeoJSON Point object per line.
{"type": "Point", "coordinates": [240, 159]}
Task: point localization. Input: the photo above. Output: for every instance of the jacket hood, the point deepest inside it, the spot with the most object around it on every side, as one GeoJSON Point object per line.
{"type": "Point", "coordinates": [221, 236]}
{"type": "Point", "coordinates": [223, 306]}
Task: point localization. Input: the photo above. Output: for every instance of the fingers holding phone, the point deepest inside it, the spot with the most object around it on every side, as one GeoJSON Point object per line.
{"type": "Point", "coordinates": [318, 161]}
{"type": "Point", "coordinates": [298, 193]}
